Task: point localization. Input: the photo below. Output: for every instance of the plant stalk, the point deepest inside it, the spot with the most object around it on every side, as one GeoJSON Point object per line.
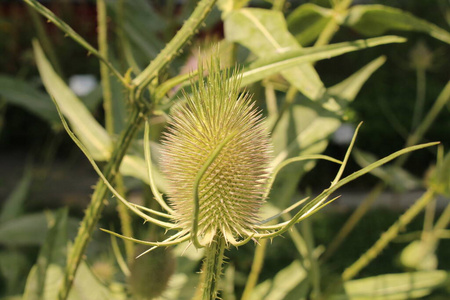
{"type": "Point", "coordinates": [124, 216]}
{"type": "Point", "coordinates": [97, 203]}
{"type": "Point", "coordinates": [212, 268]}
{"type": "Point", "coordinates": [75, 36]}
{"type": "Point", "coordinates": [258, 261]}
{"type": "Point", "coordinates": [388, 236]}
{"type": "Point", "coordinates": [189, 28]}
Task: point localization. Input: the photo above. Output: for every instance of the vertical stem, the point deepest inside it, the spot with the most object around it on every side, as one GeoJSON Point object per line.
{"type": "Point", "coordinates": [174, 46]}
{"type": "Point", "coordinates": [104, 73]}
{"type": "Point", "coordinates": [327, 34]}
{"type": "Point", "coordinates": [420, 96]}
{"type": "Point", "coordinates": [388, 236]}
{"type": "Point", "coordinates": [353, 220]}
{"type": "Point", "coordinates": [45, 41]}
{"type": "Point", "coordinates": [278, 5]}
{"type": "Point", "coordinates": [95, 208]}
{"type": "Point", "coordinates": [212, 266]}
{"type": "Point", "coordinates": [257, 265]}
{"type": "Point", "coordinates": [290, 97]}
{"type": "Point", "coordinates": [305, 227]}
{"type": "Point", "coordinates": [125, 219]}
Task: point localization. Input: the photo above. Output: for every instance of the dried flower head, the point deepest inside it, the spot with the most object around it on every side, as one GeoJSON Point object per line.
{"type": "Point", "coordinates": [219, 123]}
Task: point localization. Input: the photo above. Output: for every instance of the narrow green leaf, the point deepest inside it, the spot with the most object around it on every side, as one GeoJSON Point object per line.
{"type": "Point", "coordinates": [28, 230]}
{"type": "Point", "coordinates": [21, 93]}
{"type": "Point", "coordinates": [265, 32]}
{"type": "Point", "coordinates": [14, 266]}
{"type": "Point", "coordinates": [141, 25]}
{"type": "Point", "coordinates": [377, 19]}
{"type": "Point", "coordinates": [13, 206]}
{"type": "Point", "coordinates": [51, 17]}
{"type": "Point", "coordinates": [283, 282]}
{"type": "Point", "coordinates": [394, 176]}
{"type": "Point", "coordinates": [272, 64]}
{"type": "Point", "coordinates": [395, 286]}
{"type": "Point", "coordinates": [440, 179]}
{"type": "Point", "coordinates": [91, 133]}
{"type": "Point", "coordinates": [307, 21]}
{"type": "Point", "coordinates": [52, 252]}
{"type": "Point", "coordinates": [85, 287]}
{"type": "Point", "coordinates": [350, 87]}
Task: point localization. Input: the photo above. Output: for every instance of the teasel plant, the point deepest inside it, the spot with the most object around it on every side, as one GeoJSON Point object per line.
{"type": "Point", "coordinates": [216, 155]}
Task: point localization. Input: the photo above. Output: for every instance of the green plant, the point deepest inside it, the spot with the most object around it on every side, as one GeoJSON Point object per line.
{"type": "Point", "coordinates": [301, 114]}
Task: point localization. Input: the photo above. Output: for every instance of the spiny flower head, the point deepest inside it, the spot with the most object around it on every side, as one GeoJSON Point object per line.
{"type": "Point", "coordinates": [231, 190]}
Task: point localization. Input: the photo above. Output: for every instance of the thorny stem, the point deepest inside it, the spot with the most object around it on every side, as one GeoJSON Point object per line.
{"type": "Point", "coordinates": [44, 40]}
{"type": "Point", "coordinates": [109, 116]}
{"type": "Point", "coordinates": [388, 236]}
{"type": "Point", "coordinates": [212, 266]}
{"type": "Point", "coordinates": [75, 36]}
{"type": "Point", "coordinates": [134, 121]}
{"type": "Point", "coordinates": [189, 28]}
{"type": "Point", "coordinates": [105, 81]}
{"type": "Point", "coordinates": [97, 203]}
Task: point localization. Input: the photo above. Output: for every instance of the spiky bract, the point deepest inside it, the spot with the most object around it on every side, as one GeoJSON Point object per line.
{"type": "Point", "coordinates": [232, 188]}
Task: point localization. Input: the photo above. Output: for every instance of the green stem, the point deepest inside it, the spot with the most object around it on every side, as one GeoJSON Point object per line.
{"type": "Point", "coordinates": [105, 81]}
{"type": "Point", "coordinates": [189, 28]}
{"type": "Point", "coordinates": [388, 236]}
{"type": "Point", "coordinates": [97, 203]}
{"type": "Point", "coordinates": [124, 215]}
{"type": "Point", "coordinates": [258, 261]}
{"type": "Point", "coordinates": [443, 220]}
{"type": "Point", "coordinates": [45, 41]}
{"type": "Point", "coordinates": [420, 96]}
{"type": "Point", "coordinates": [327, 33]}
{"type": "Point", "coordinates": [306, 230]}
{"type": "Point", "coordinates": [278, 5]}
{"type": "Point", "coordinates": [353, 220]}
{"type": "Point", "coordinates": [290, 98]}
{"type": "Point", "coordinates": [125, 219]}
{"type": "Point", "coordinates": [75, 36]}
{"type": "Point", "coordinates": [212, 266]}
{"type": "Point", "coordinates": [123, 41]}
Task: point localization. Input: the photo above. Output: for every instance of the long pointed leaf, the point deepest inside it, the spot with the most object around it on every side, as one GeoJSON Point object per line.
{"type": "Point", "coordinates": [92, 134]}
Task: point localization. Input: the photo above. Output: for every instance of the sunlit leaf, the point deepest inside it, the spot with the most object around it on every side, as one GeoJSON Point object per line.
{"type": "Point", "coordinates": [28, 230]}
{"type": "Point", "coordinates": [396, 177]}
{"type": "Point", "coordinates": [275, 63]}
{"type": "Point", "coordinates": [283, 282]}
{"type": "Point", "coordinates": [90, 132]}
{"type": "Point", "coordinates": [265, 32]}
{"type": "Point", "coordinates": [419, 255]}
{"type": "Point", "coordinates": [377, 19]}
{"type": "Point", "coordinates": [394, 286]}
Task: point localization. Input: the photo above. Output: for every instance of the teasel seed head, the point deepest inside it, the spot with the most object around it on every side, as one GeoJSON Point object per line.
{"type": "Point", "coordinates": [232, 189]}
